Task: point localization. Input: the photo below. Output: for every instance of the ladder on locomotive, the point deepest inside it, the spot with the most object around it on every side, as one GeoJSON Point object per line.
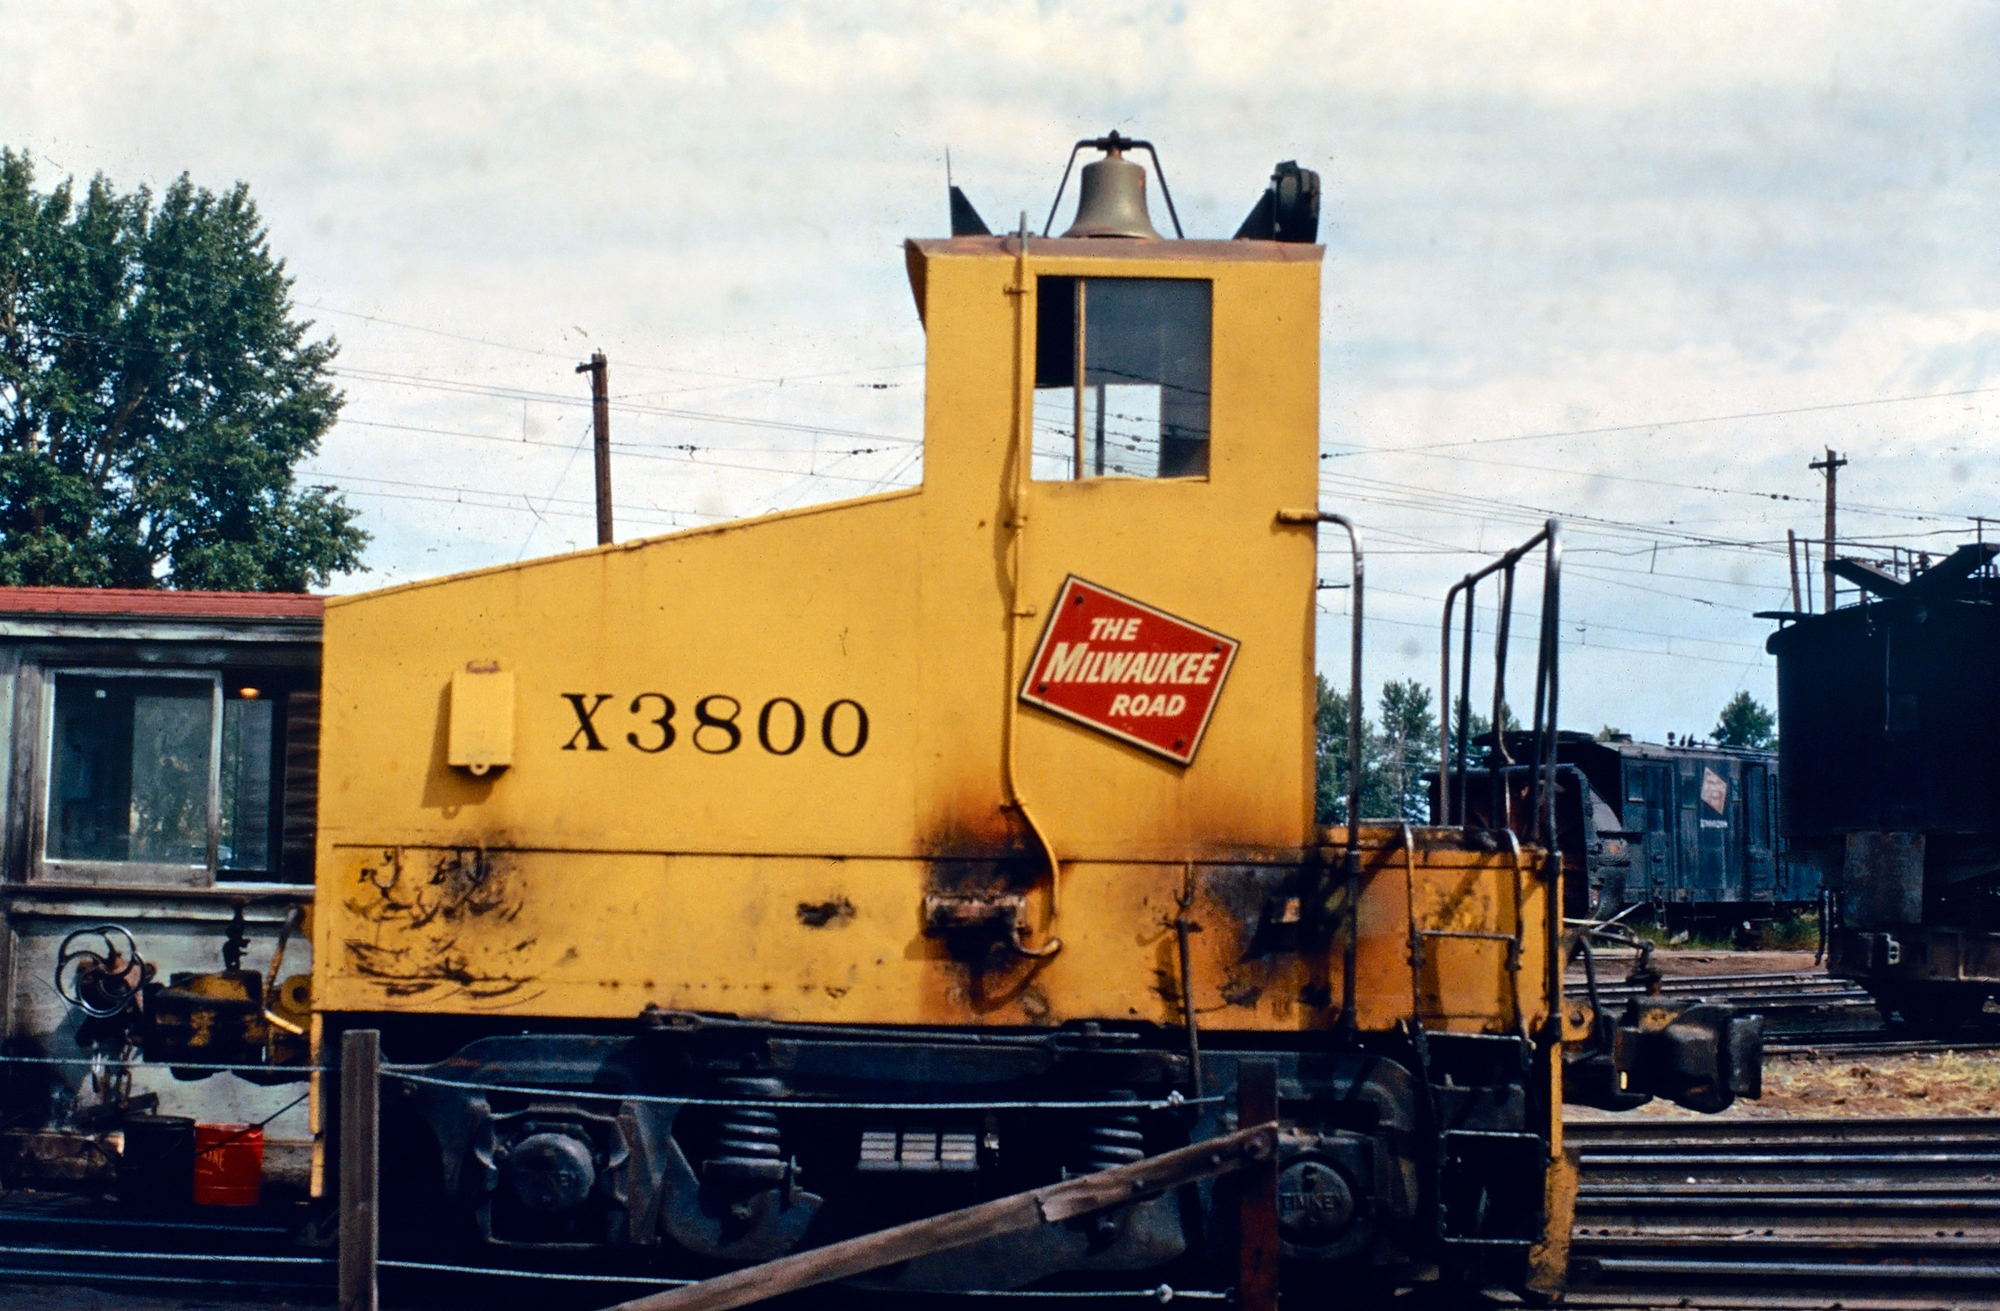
{"type": "Point", "coordinates": [1472, 1149]}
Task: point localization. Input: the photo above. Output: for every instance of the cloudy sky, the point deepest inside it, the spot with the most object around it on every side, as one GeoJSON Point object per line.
{"type": "Point", "coordinates": [1635, 265]}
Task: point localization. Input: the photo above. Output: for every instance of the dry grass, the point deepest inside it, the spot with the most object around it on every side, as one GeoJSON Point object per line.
{"type": "Point", "coordinates": [1943, 1083]}
{"type": "Point", "coordinates": [1806, 1084]}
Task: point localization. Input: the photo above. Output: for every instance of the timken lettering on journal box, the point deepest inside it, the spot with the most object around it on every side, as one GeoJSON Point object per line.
{"type": "Point", "coordinates": [1124, 668]}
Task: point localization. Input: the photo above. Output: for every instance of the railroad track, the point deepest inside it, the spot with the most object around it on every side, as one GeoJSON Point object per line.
{"type": "Point", "coordinates": [1767, 1212]}
{"type": "Point", "coordinates": [1794, 1004]}
{"type": "Point", "coordinates": [1789, 1213]}
{"type": "Point", "coordinates": [266, 1250]}
{"type": "Point", "coordinates": [1786, 1213]}
{"type": "Point", "coordinates": [1874, 1044]}
{"type": "Point", "coordinates": [1804, 1011]}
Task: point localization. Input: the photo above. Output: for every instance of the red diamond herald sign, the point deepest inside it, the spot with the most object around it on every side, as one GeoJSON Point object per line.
{"type": "Point", "coordinates": [1121, 667]}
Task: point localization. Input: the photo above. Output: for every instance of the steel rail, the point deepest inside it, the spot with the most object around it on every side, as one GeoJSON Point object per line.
{"type": "Point", "coordinates": [1830, 1270]}
{"type": "Point", "coordinates": [1794, 1128]}
{"type": "Point", "coordinates": [1799, 1206]}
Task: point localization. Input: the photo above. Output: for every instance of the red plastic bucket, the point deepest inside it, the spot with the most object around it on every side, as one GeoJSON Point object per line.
{"type": "Point", "coordinates": [228, 1164]}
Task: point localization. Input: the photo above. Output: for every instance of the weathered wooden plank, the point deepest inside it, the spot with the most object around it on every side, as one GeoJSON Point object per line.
{"type": "Point", "coordinates": [1257, 1193]}
{"type": "Point", "coordinates": [299, 826]}
{"type": "Point", "coordinates": [942, 1233]}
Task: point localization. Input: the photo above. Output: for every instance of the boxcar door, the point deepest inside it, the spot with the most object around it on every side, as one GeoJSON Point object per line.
{"type": "Point", "coordinates": [1662, 833]}
{"type": "Point", "coordinates": [1760, 870]}
{"type": "Point", "coordinates": [1705, 805]}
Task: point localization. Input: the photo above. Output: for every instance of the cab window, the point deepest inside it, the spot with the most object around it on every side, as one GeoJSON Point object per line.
{"type": "Point", "coordinates": [1143, 357]}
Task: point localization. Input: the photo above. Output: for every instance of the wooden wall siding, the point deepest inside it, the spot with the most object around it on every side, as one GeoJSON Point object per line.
{"type": "Point", "coordinates": [301, 816]}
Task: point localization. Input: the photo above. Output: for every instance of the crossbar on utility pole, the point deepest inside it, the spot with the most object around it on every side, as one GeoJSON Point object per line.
{"type": "Point", "coordinates": [1831, 466]}
{"type": "Point", "coordinates": [360, 1167]}
{"type": "Point", "coordinates": [600, 426]}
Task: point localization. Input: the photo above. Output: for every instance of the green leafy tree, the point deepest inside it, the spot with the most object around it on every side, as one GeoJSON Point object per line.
{"type": "Point", "coordinates": [1407, 747]}
{"type": "Point", "coordinates": [1610, 733]}
{"type": "Point", "coordinates": [1395, 752]}
{"type": "Point", "coordinates": [1746, 723]}
{"type": "Point", "coordinates": [1478, 725]}
{"type": "Point", "coordinates": [156, 395]}
{"type": "Point", "coordinates": [1330, 728]}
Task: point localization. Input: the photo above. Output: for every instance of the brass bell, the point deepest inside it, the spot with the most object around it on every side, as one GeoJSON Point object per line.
{"type": "Point", "coordinates": [1112, 202]}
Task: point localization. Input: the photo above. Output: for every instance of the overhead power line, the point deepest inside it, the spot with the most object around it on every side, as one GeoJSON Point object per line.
{"type": "Point", "coordinates": [1887, 511]}
{"type": "Point", "coordinates": [1384, 492]}
{"type": "Point", "coordinates": [1523, 618]}
{"type": "Point", "coordinates": [733, 378]}
{"type": "Point", "coordinates": [1432, 629]}
{"type": "Point", "coordinates": [385, 376]}
{"type": "Point", "coordinates": [683, 454]}
{"type": "Point", "coordinates": [515, 503]}
{"type": "Point", "coordinates": [1361, 449]}
{"type": "Point", "coordinates": [634, 448]}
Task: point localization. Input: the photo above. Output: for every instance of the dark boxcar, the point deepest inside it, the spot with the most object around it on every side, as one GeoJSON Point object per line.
{"type": "Point", "coordinates": [1891, 709]}
{"type": "Point", "coordinates": [1689, 829]}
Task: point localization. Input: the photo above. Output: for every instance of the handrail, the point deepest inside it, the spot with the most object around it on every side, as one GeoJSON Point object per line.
{"type": "Point", "coordinates": [1351, 866]}
{"type": "Point", "coordinates": [1017, 518]}
{"type": "Point", "coordinates": [1542, 726]}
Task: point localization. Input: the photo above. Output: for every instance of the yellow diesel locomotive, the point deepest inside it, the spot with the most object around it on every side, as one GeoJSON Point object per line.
{"type": "Point", "coordinates": [725, 894]}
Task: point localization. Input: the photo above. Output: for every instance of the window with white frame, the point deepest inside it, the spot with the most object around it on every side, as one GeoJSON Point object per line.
{"type": "Point", "coordinates": [162, 776]}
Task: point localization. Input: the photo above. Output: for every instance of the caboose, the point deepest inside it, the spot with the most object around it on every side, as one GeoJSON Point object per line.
{"type": "Point", "coordinates": [728, 893]}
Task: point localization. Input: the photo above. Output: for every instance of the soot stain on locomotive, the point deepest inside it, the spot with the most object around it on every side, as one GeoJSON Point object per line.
{"type": "Point", "coordinates": [419, 902]}
{"type": "Point", "coordinates": [1270, 959]}
{"type": "Point", "coordinates": [980, 882]}
{"type": "Point", "coordinates": [823, 914]}
{"type": "Point", "coordinates": [1244, 932]}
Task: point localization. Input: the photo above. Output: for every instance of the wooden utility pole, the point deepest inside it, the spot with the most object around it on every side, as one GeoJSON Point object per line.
{"type": "Point", "coordinates": [600, 423]}
{"type": "Point", "coordinates": [1791, 546]}
{"type": "Point", "coordinates": [1831, 466]}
